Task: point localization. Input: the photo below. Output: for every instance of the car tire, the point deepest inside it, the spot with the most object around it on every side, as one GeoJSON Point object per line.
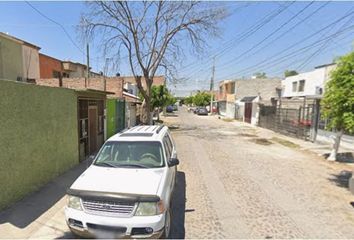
{"type": "Point", "coordinates": [167, 229]}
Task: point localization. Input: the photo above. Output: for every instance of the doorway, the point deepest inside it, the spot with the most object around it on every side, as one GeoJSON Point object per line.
{"type": "Point", "coordinates": [92, 117]}
{"type": "Point", "coordinates": [248, 112]}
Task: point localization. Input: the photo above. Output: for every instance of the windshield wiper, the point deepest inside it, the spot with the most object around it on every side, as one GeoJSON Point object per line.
{"type": "Point", "coordinates": [131, 165]}
{"type": "Point", "coordinates": [105, 164]}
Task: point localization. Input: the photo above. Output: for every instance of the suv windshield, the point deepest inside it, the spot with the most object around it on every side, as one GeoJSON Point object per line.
{"type": "Point", "coordinates": [131, 154]}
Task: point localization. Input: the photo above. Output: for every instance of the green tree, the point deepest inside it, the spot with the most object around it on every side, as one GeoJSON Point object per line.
{"type": "Point", "coordinates": [160, 97]}
{"type": "Point", "coordinates": [338, 101]}
{"type": "Point", "coordinates": [201, 99]}
{"type": "Point", "coordinates": [188, 100]}
{"type": "Point", "coordinates": [260, 75]}
{"type": "Point", "coordinates": [289, 73]}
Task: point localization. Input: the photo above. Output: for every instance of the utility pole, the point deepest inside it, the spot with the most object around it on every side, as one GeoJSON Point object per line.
{"type": "Point", "coordinates": [212, 86]}
{"type": "Point", "coordinates": [105, 70]}
{"type": "Point", "coordinates": [88, 63]}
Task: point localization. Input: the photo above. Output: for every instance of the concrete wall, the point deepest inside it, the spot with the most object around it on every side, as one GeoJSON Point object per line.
{"type": "Point", "coordinates": [230, 109]}
{"type": "Point", "coordinates": [80, 72]}
{"type": "Point", "coordinates": [38, 137]}
{"type": "Point", "coordinates": [30, 59]}
{"type": "Point", "coordinates": [265, 88]}
{"type": "Point", "coordinates": [11, 65]}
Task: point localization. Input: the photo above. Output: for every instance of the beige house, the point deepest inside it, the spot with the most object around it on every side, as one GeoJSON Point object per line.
{"type": "Point", "coordinates": [19, 60]}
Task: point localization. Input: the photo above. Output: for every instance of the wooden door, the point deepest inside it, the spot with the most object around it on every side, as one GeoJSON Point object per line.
{"type": "Point", "coordinates": [92, 115]}
{"type": "Point", "coordinates": [248, 112]}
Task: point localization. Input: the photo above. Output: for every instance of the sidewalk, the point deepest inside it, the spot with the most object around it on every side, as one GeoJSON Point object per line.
{"type": "Point", "coordinates": [41, 215]}
{"type": "Point", "coordinates": [321, 149]}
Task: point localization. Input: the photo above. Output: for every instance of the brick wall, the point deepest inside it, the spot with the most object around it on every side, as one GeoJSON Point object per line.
{"type": "Point", "coordinates": [113, 84]}
{"type": "Point", "coordinates": [158, 80]}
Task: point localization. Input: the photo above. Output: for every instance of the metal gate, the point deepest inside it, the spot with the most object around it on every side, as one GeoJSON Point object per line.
{"type": "Point", "coordinates": [295, 122]}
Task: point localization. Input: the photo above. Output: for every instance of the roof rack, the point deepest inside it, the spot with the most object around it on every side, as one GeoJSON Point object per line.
{"type": "Point", "coordinates": [159, 129]}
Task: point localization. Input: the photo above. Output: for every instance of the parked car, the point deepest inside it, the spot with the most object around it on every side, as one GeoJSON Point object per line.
{"type": "Point", "coordinates": [196, 110]}
{"type": "Point", "coordinates": [202, 111]}
{"type": "Point", "coordinates": [127, 190]}
{"type": "Point", "coordinates": [169, 109]}
{"type": "Point", "coordinates": [175, 108]}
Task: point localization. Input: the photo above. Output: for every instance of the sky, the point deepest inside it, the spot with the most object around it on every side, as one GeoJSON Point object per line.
{"type": "Point", "coordinates": [296, 36]}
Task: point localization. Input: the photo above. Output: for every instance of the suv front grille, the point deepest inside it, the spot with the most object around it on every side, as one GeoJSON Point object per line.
{"type": "Point", "coordinates": [108, 208]}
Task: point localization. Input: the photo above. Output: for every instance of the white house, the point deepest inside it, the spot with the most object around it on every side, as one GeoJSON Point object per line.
{"type": "Point", "coordinates": [309, 84]}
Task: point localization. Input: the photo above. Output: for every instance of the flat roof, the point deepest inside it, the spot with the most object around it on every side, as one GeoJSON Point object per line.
{"type": "Point", "coordinates": [18, 40]}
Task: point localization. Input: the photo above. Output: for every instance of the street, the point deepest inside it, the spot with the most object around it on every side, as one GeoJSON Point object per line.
{"type": "Point", "coordinates": [231, 183]}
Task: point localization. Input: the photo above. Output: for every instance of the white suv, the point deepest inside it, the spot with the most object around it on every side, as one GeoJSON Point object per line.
{"type": "Point", "coordinates": [127, 190]}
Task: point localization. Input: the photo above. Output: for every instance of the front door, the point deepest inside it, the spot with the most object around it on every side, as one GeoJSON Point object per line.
{"type": "Point", "coordinates": [248, 112]}
{"type": "Point", "coordinates": [92, 115]}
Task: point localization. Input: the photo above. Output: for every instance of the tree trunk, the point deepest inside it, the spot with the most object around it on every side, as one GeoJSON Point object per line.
{"type": "Point", "coordinates": [336, 142]}
{"type": "Point", "coordinates": [146, 112]}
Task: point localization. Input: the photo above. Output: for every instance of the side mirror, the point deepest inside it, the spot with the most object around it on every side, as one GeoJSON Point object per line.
{"type": "Point", "coordinates": [173, 162]}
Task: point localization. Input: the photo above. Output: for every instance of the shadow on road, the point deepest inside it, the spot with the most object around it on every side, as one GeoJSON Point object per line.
{"type": "Point", "coordinates": [344, 157]}
{"type": "Point", "coordinates": [26, 211]}
{"type": "Point", "coordinates": [179, 207]}
{"type": "Point", "coordinates": [341, 179]}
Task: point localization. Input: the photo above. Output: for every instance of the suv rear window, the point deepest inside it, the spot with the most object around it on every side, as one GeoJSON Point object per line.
{"type": "Point", "coordinates": [131, 154]}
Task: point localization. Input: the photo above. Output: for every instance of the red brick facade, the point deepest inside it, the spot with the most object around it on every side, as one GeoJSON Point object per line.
{"type": "Point", "coordinates": [48, 65]}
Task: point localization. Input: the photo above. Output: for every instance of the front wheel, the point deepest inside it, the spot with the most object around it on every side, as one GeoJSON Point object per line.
{"type": "Point", "coordinates": [166, 232]}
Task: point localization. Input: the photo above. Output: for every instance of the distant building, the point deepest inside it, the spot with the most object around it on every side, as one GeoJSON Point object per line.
{"type": "Point", "coordinates": [51, 67]}
{"type": "Point", "coordinates": [225, 98]}
{"type": "Point", "coordinates": [239, 99]}
{"type": "Point", "coordinates": [252, 92]}
{"type": "Point", "coordinates": [19, 60]}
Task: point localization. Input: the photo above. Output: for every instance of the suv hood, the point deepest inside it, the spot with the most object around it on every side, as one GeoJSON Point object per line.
{"type": "Point", "coordinates": [120, 180]}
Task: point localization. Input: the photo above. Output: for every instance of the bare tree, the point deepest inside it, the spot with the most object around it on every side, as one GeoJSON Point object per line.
{"type": "Point", "coordinates": [154, 35]}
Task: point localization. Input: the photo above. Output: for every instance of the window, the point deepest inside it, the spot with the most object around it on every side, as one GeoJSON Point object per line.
{"type": "Point", "coordinates": [131, 154]}
{"type": "Point", "coordinates": [56, 74]}
{"type": "Point", "coordinates": [168, 147]}
{"type": "Point", "coordinates": [232, 90]}
{"type": "Point", "coordinates": [301, 85]}
{"type": "Point", "coordinates": [220, 89]}
{"type": "Point", "coordinates": [294, 86]}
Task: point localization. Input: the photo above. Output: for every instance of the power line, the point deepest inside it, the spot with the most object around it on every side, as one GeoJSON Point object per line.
{"type": "Point", "coordinates": [281, 69]}
{"type": "Point", "coordinates": [266, 61]}
{"type": "Point", "coordinates": [287, 31]}
{"type": "Point", "coordinates": [242, 36]}
{"type": "Point", "coordinates": [57, 23]}
{"type": "Point", "coordinates": [254, 28]}
{"type": "Point", "coordinates": [268, 36]}
{"type": "Point", "coordinates": [324, 45]}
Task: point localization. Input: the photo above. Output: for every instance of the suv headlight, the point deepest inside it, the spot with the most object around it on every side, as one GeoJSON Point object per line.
{"type": "Point", "coordinates": [74, 202]}
{"type": "Point", "coordinates": [150, 208]}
